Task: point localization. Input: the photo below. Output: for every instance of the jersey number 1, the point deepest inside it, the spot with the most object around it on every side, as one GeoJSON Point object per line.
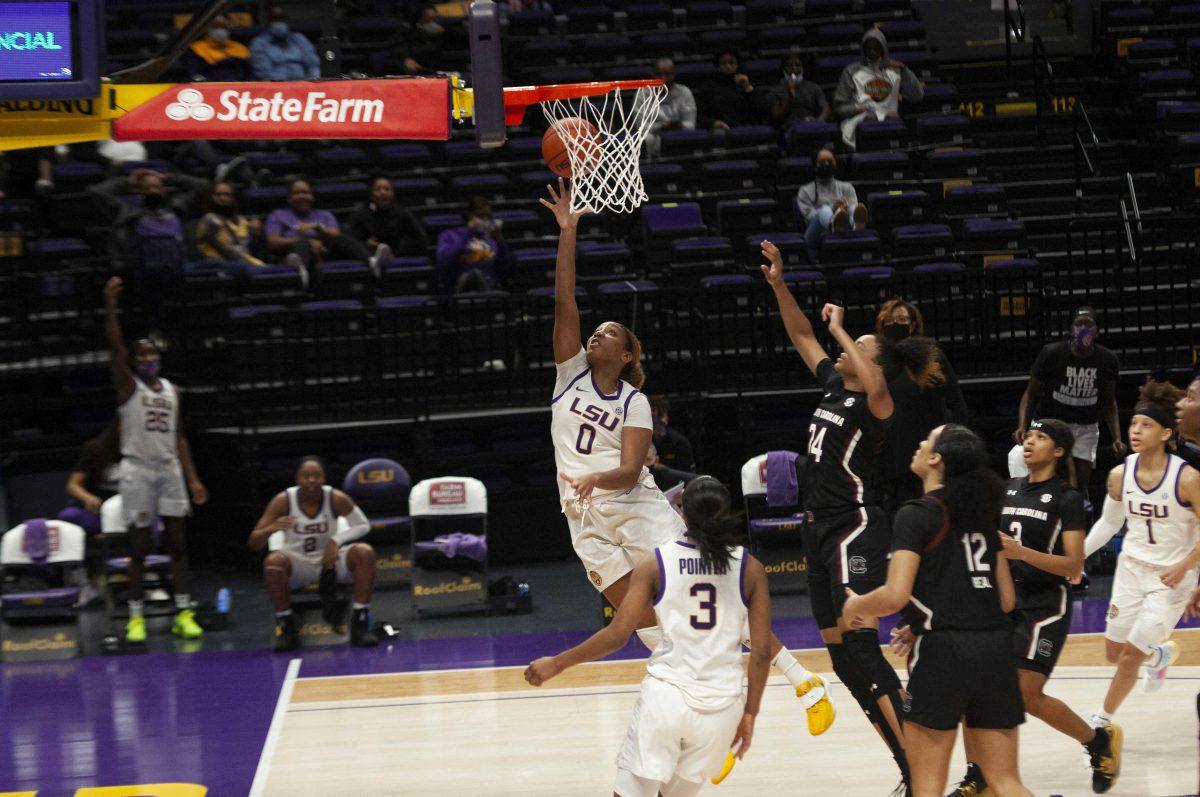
{"type": "Point", "coordinates": [707, 605]}
{"type": "Point", "coordinates": [1150, 532]}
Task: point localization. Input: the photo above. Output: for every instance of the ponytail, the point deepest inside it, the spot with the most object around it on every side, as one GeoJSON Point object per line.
{"type": "Point", "coordinates": [710, 524]}
{"type": "Point", "coordinates": [971, 491]}
{"type": "Point", "coordinates": [632, 372]}
{"type": "Point", "coordinates": [917, 356]}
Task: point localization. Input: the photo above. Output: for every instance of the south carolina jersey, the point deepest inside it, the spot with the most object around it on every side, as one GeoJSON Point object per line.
{"type": "Point", "coordinates": [1036, 514]}
{"type": "Point", "coordinates": [702, 614]}
{"type": "Point", "coordinates": [844, 442]}
{"type": "Point", "coordinates": [586, 424]}
{"type": "Point", "coordinates": [955, 587]}
{"type": "Point", "coordinates": [150, 423]}
{"type": "Point", "coordinates": [1161, 528]}
{"type": "Point", "coordinates": [309, 534]}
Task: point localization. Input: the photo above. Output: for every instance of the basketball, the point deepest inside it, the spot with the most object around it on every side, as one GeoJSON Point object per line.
{"type": "Point", "coordinates": [582, 134]}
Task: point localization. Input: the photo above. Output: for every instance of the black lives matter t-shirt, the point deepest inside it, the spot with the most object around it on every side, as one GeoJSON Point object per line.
{"type": "Point", "coordinates": [1071, 385]}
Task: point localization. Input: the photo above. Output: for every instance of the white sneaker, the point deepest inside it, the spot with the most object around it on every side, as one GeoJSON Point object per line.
{"type": "Point", "coordinates": [383, 256]}
{"type": "Point", "coordinates": [294, 260]}
{"type": "Point", "coordinates": [1155, 671]}
{"type": "Point", "coordinates": [1097, 721]}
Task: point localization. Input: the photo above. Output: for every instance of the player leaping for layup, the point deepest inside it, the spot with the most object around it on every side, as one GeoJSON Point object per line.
{"type": "Point", "coordinates": [601, 426]}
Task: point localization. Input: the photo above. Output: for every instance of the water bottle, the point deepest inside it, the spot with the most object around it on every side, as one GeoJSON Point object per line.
{"type": "Point", "coordinates": [223, 600]}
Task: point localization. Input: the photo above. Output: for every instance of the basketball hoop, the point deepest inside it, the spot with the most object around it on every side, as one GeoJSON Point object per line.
{"type": "Point", "coordinates": [604, 153]}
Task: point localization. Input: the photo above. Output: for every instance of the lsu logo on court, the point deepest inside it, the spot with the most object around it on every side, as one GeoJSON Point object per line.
{"type": "Point", "coordinates": [381, 476]}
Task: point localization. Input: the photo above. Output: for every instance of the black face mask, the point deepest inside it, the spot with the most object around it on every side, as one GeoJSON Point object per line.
{"type": "Point", "coordinates": [153, 201]}
{"type": "Point", "coordinates": [228, 211]}
{"type": "Point", "coordinates": [824, 171]}
{"type": "Point", "coordinates": [896, 332]}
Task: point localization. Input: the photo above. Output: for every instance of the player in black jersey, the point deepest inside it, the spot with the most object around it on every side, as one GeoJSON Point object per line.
{"type": "Point", "coordinates": [1042, 527]}
{"type": "Point", "coordinates": [949, 577]}
{"type": "Point", "coordinates": [1187, 425]}
{"type": "Point", "coordinates": [846, 531]}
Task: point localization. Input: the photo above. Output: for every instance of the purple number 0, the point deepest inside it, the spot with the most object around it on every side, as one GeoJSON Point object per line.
{"type": "Point", "coordinates": [579, 444]}
{"type": "Point", "coordinates": [708, 606]}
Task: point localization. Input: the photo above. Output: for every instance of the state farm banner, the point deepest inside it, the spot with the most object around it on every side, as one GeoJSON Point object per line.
{"type": "Point", "coordinates": [403, 108]}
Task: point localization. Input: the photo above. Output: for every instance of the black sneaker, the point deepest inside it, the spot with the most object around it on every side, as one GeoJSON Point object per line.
{"type": "Point", "coordinates": [331, 608]}
{"type": "Point", "coordinates": [972, 784]}
{"type": "Point", "coordinates": [361, 635]}
{"type": "Point", "coordinates": [287, 636]}
{"type": "Point", "coordinates": [1106, 761]}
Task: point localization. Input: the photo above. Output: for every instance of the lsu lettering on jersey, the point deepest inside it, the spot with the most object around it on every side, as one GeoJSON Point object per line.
{"type": "Point", "coordinates": [309, 534]}
{"type": "Point", "coordinates": [586, 424]}
{"type": "Point", "coordinates": [149, 423]}
{"type": "Point", "coordinates": [1161, 528]}
{"type": "Point", "coordinates": [702, 615]}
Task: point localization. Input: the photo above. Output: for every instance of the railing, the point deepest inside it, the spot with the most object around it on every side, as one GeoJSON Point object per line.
{"type": "Point", "coordinates": [1081, 125]}
{"type": "Point", "coordinates": [1043, 79]}
{"type": "Point", "coordinates": [1014, 28]}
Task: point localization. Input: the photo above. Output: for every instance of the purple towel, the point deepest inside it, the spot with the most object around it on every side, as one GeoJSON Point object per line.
{"type": "Point", "coordinates": [36, 543]}
{"type": "Point", "coordinates": [782, 487]}
{"type": "Point", "coordinates": [472, 546]}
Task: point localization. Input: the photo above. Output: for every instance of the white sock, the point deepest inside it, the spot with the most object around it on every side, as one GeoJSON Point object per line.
{"type": "Point", "coordinates": [651, 635]}
{"type": "Point", "coordinates": [1100, 717]}
{"type": "Point", "coordinates": [137, 609]}
{"type": "Point", "coordinates": [281, 615]}
{"type": "Point", "coordinates": [356, 605]}
{"type": "Point", "coordinates": [183, 601]}
{"type": "Point", "coordinates": [794, 671]}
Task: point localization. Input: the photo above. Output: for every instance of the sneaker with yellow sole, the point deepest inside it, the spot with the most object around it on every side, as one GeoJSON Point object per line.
{"type": "Point", "coordinates": [135, 630]}
{"type": "Point", "coordinates": [185, 625]}
{"type": "Point", "coordinates": [814, 696]}
{"type": "Point", "coordinates": [726, 768]}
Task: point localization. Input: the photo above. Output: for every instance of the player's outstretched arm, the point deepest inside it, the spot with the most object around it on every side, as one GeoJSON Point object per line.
{"type": "Point", "coordinates": [567, 342]}
{"type": "Point", "coordinates": [798, 327]}
{"type": "Point", "coordinates": [642, 585]}
{"type": "Point", "coordinates": [122, 377]}
{"type": "Point", "coordinates": [1004, 584]}
{"type": "Point", "coordinates": [357, 524]}
{"type": "Point", "coordinates": [1111, 518]}
{"type": "Point", "coordinates": [274, 518]}
{"type": "Point", "coordinates": [1189, 490]}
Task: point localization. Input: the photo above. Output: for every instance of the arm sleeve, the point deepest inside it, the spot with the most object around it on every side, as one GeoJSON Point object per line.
{"type": "Point", "coordinates": [911, 530]}
{"type": "Point", "coordinates": [1104, 529]}
{"type": "Point", "coordinates": [910, 86]}
{"type": "Point", "coordinates": [568, 370]}
{"type": "Point", "coordinates": [825, 373]}
{"type": "Point", "coordinates": [845, 103]}
{"type": "Point", "coordinates": [357, 527]}
{"type": "Point", "coordinates": [638, 414]}
{"type": "Point", "coordinates": [1071, 513]}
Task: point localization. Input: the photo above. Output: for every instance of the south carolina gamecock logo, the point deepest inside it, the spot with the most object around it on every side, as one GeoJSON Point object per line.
{"type": "Point", "coordinates": [190, 104]}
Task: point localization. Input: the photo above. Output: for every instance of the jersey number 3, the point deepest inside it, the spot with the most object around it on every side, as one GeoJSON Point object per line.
{"type": "Point", "coordinates": [708, 605]}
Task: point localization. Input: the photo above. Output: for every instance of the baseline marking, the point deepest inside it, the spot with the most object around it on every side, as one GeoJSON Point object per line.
{"type": "Point", "coordinates": [268, 750]}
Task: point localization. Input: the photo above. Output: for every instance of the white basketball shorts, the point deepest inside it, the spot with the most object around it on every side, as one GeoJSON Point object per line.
{"type": "Point", "coordinates": [147, 490]}
{"type": "Point", "coordinates": [1142, 610]}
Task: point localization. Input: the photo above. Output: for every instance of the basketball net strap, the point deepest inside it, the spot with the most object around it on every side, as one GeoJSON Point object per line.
{"type": "Point", "coordinates": [604, 163]}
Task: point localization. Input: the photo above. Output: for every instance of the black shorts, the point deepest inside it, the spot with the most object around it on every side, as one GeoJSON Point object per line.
{"type": "Point", "coordinates": [967, 675]}
{"type": "Point", "coordinates": [1041, 623]}
{"type": "Point", "coordinates": [847, 549]}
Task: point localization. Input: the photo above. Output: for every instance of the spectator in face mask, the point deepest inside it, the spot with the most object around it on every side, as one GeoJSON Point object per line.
{"type": "Point", "coordinates": [872, 86]}
{"type": "Point", "coordinates": [281, 53]}
{"type": "Point", "coordinates": [473, 257]}
{"type": "Point", "coordinates": [916, 412]}
{"type": "Point", "coordinates": [678, 109]}
{"type": "Point", "coordinates": [728, 100]}
{"type": "Point", "coordinates": [386, 228]}
{"type": "Point", "coordinates": [417, 49]}
{"type": "Point", "coordinates": [216, 56]}
{"type": "Point", "coordinates": [827, 204]}
{"type": "Point", "coordinates": [794, 99]}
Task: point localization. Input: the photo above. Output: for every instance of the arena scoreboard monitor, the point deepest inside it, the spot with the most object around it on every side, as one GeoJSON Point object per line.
{"type": "Point", "coordinates": [50, 49]}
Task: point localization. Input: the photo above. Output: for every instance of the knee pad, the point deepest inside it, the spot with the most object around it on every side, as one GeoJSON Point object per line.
{"type": "Point", "coordinates": [863, 647]}
{"type": "Point", "coordinates": [856, 683]}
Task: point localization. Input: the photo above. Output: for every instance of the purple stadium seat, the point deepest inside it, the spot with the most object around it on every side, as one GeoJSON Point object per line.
{"type": "Point", "coordinates": [902, 30]}
{"type": "Point", "coordinates": [725, 280]}
{"type": "Point", "coordinates": [873, 134]}
{"type": "Point", "coordinates": [532, 23]}
{"type": "Point", "coordinates": [671, 42]}
{"type": "Point", "coordinates": [953, 164]}
{"type": "Point", "coordinates": [417, 191]}
{"type": "Point", "coordinates": [949, 127]}
{"type": "Point", "coordinates": [598, 262]}
{"type": "Point", "coordinates": [686, 142]}
{"type": "Point", "coordinates": [345, 279]}
{"type": "Point", "coordinates": [336, 160]}
{"type": "Point", "coordinates": [792, 247]}
{"type": "Point", "coordinates": [665, 178]}
{"type": "Point", "coordinates": [1167, 80]}
{"type": "Point", "coordinates": [751, 135]}
{"type": "Point", "coordinates": [808, 137]}
{"type": "Point", "coordinates": [519, 222]}
{"type": "Point", "coordinates": [1153, 48]}
{"type": "Point", "coordinates": [274, 280]}
{"type": "Point", "coordinates": [57, 598]}
{"type": "Point", "coordinates": [870, 274]}
{"type": "Point", "coordinates": [922, 240]}
{"type": "Point", "coordinates": [275, 162]}
{"type": "Point", "coordinates": [729, 175]}
{"type": "Point", "coordinates": [737, 218]}
{"type": "Point", "coordinates": [628, 286]}
{"type": "Point", "coordinates": [768, 11]}
{"type": "Point", "coordinates": [493, 186]}
{"type": "Point", "coordinates": [829, 67]}
{"type": "Point", "coordinates": [589, 18]}
{"type": "Point", "coordinates": [533, 266]}
{"type": "Point", "coordinates": [1184, 13]}
{"type": "Point", "coordinates": [880, 165]}
{"type": "Point", "coordinates": [708, 12]}
{"type": "Point", "coordinates": [408, 275]}
{"type": "Point", "coordinates": [725, 38]}
{"type": "Point", "coordinates": [779, 38]}
{"type": "Point", "coordinates": [412, 153]}
{"type": "Point", "coordinates": [435, 223]}
{"type": "Point", "coordinates": [940, 268]}
{"type": "Point", "coordinates": [331, 304]}
{"type": "Point", "coordinates": [839, 33]}
{"type": "Point", "coordinates": [939, 97]}
{"type": "Point", "coordinates": [252, 310]}
{"type": "Point", "coordinates": [380, 487]}
{"type": "Point", "coordinates": [980, 200]}
{"type": "Point", "coordinates": [852, 246]}
{"type": "Point", "coordinates": [648, 16]}
{"type": "Point", "coordinates": [993, 234]}
{"type": "Point", "coordinates": [827, 8]}
{"type": "Point", "coordinates": [400, 302]}
{"type": "Point", "coordinates": [662, 224]}
{"type": "Point", "coordinates": [888, 209]}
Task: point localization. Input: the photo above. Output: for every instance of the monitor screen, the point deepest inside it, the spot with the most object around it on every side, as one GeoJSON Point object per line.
{"type": "Point", "coordinates": [37, 42]}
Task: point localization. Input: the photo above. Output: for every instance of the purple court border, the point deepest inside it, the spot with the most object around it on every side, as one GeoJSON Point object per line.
{"type": "Point", "coordinates": [203, 717]}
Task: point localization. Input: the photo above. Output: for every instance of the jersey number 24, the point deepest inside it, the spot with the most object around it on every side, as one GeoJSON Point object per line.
{"type": "Point", "coordinates": [816, 439]}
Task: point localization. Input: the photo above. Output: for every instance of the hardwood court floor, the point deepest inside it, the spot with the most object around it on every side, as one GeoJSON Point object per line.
{"type": "Point", "coordinates": [485, 732]}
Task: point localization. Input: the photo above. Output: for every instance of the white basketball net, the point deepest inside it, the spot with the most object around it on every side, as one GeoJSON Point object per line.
{"type": "Point", "coordinates": [605, 171]}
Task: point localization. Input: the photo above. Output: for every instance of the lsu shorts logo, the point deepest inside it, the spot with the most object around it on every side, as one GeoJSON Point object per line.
{"type": "Point", "coordinates": [1045, 648]}
{"type": "Point", "coordinates": [858, 565]}
{"type": "Point", "coordinates": [1112, 611]}
{"type": "Point", "coordinates": [595, 577]}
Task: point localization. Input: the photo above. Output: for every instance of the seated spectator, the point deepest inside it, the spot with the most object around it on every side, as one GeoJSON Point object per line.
{"type": "Point", "coordinates": [225, 234]}
{"type": "Point", "coordinates": [280, 53]}
{"type": "Point", "coordinates": [385, 227]}
{"type": "Point", "coordinates": [416, 49]}
{"type": "Point", "coordinates": [26, 173]}
{"type": "Point", "coordinates": [670, 459]}
{"type": "Point", "coordinates": [93, 480]}
{"type": "Point", "coordinates": [729, 99]}
{"type": "Point", "coordinates": [794, 99]}
{"type": "Point", "coordinates": [873, 86]}
{"type": "Point", "coordinates": [216, 56]}
{"type": "Point", "coordinates": [678, 109]}
{"type": "Point", "coordinates": [827, 203]}
{"type": "Point", "coordinates": [302, 236]}
{"type": "Point", "coordinates": [473, 257]}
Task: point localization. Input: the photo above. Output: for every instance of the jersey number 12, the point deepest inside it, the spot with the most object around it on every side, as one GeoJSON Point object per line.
{"type": "Point", "coordinates": [975, 561]}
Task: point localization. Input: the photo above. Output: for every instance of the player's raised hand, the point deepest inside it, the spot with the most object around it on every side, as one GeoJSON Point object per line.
{"type": "Point", "coordinates": [1013, 549]}
{"type": "Point", "coordinates": [832, 315]}
{"type": "Point", "coordinates": [773, 268]}
{"type": "Point", "coordinates": [745, 732]}
{"type": "Point", "coordinates": [560, 204]}
{"type": "Point", "coordinates": [541, 670]}
{"type": "Point", "coordinates": [112, 289]}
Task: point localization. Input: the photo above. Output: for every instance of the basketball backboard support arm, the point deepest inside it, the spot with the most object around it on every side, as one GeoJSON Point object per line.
{"type": "Point", "coordinates": [487, 74]}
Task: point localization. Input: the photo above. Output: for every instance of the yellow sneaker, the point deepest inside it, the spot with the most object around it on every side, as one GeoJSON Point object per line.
{"type": "Point", "coordinates": [814, 692]}
{"type": "Point", "coordinates": [185, 625]}
{"type": "Point", "coordinates": [135, 630]}
{"type": "Point", "coordinates": [726, 768]}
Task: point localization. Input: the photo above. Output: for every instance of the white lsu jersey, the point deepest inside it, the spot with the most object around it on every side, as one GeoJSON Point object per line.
{"type": "Point", "coordinates": [1161, 528]}
{"type": "Point", "coordinates": [308, 535]}
{"type": "Point", "coordinates": [150, 423]}
{"type": "Point", "coordinates": [702, 615]}
{"type": "Point", "coordinates": [586, 425]}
